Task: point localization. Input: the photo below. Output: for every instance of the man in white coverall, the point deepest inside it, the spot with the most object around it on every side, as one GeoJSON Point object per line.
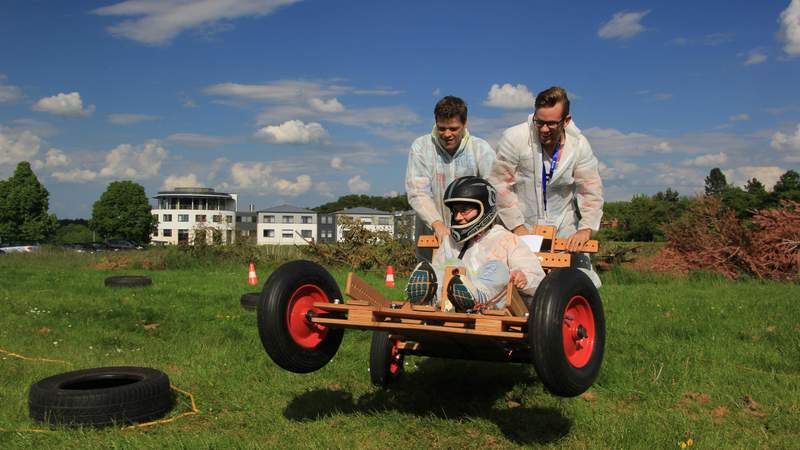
{"type": "Point", "coordinates": [438, 158]}
{"type": "Point", "coordinates": [489, 254]}
{"type": "Point", "coordinates": [542, 173]}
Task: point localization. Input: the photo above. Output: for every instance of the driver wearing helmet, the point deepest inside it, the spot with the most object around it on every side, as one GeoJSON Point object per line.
{"type": "Point", "coordinates": [489, 254]}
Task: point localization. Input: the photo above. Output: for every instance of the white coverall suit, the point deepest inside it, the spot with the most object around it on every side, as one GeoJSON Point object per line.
{"type": "Point", "coordinates": [488, 262]}
{"type": "Point", "coordinates": [517, 176]}
{"type": "Point", "coordinates": [431, 169]}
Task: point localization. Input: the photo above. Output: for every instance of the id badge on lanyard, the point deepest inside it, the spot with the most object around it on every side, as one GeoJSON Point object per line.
{"type": "Point", "coordinates": [545, 180]}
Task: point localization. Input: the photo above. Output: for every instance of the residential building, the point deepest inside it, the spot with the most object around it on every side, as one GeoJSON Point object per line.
{"type": "Point", "coordinates": [286, 225]}
{"type": "Point", "coordinates": [372, 219]}
{"type": "Point", "coordinates": [247, 224]}
{"type": "Point", "coordinates": [186, 214]}
{"type": "Point", "coordinates": [327, 228]}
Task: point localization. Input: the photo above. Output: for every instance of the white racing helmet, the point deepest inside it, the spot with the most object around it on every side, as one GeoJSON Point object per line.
{"type": "Point", "coordinates": [476, 192]}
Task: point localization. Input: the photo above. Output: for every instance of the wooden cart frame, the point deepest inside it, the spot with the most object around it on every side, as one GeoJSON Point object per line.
{"type": "Point", "coordinates": [571, 338]}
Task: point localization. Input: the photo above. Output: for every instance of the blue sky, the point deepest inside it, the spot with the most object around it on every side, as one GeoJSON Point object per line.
{"type": "Point", "coordinates": [302, 101]}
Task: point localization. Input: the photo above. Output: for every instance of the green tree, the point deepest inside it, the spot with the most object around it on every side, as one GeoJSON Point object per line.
{"type": "Point", "coordinates": [72, 232]}
{"type": "Point", "coordinates": [123, 212]}
{"type": "Point", "coordinates": [396, 203]}
{"type": "Point", "coordinates": [716, 182]}
{"type": "Point", "coordinates": [24, 207]}
{"type": "Point", "coordinates": [788, 186]}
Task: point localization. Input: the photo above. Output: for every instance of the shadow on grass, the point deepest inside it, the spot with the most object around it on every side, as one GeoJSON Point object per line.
{"type": "Point", "coordinates": [447, 389]}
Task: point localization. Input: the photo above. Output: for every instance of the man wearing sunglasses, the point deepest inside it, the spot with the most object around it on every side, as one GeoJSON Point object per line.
{"type": "Point", "coordinates": [545, 175]}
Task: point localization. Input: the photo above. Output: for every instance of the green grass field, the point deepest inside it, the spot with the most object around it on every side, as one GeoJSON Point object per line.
{"type": "Point", "coordinates": [714, 359]}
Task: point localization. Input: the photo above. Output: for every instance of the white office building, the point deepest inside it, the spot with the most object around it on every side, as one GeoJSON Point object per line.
{"type": "Point", "coordinates": [286, 225]}
{"type": "Point", "coordinates": [187, 214]}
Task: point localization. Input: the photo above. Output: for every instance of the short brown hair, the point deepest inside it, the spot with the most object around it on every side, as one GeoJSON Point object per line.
{"type": "Point", "coordinates": [450, 107]}
{"type": "Point", "coordinates": [551, 97]}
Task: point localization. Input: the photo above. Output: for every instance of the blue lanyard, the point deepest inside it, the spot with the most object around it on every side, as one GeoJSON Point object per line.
{"type": "Point", "coordinates": [547, 176]}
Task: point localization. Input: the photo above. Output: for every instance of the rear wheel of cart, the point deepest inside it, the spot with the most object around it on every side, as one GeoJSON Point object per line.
{"type": "Point", "coordinates": [566, 330]}
{"type": "Point", "coordinates": [385, 359]}
{"type": "Point", "coordinates": [288, 335]}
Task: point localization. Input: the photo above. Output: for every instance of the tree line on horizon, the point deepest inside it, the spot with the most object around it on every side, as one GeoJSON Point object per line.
{"type": "Point", "coordinates": [123, 210]}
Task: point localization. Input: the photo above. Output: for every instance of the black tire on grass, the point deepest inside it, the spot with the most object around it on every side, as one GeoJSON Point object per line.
{"type": "Point", "coordinates": [293, 342]}
{"type": "Point", "coordinates": [385, 360]}
{"type": "Point", "coordinates": [128, 281]}
{"type": "Point", "coordinates": [567, 298]}
{"type": "Point", "coordinates": [249, 301]}
{"type": "Point", "coordinates": [101, 396]}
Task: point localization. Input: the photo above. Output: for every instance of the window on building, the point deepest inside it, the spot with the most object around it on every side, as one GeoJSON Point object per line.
{"type": "Point", "coordinates": [384, 220]}
{"type": "Point", "coordinates": [287, 234]}
{"type": "Point", "coordinates": [305, 233]}
{"type": "Point", "coordinates": [288, 219]}
{"type": "Point", "coordinates": [183, 217]}
{"type": "Point", "coordinates": [167, 217]}
{"type": "Point", "coordinates": [228, 219]}
{"type": "Point", "coordinates": [167, 232]}
{"type": "Point", "coordinates": [305, 219]}
{"type": "Point", "coordinates": [217, 218]}
{"type": "Point", "coordinates": [269, 219]}
{"type": "Point", "coordinates": [269, 233]}
{"type": "Point", "coordinates": [238, 219]}
{"type": "Point", "coordinates": [200, 218]}
{"type": "Point", "coordinates": [366, 220]}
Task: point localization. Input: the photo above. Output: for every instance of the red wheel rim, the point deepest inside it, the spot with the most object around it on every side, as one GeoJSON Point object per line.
{"type": "Point", "coordinates": [395, 359]}
{"type": "Point", "coordinates": [577, 331]}
{"type": "Point", "coordinates": [305, 333]}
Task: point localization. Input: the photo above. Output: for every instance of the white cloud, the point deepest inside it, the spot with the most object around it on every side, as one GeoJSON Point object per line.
{"type": "Point", "coordinates": [755, 56]}
{"type": "Point", "coordinates": [436, 92]}
{"type": "Point", "coordinates": [126, 161]}
{"type": "Point", "coordinates": [357, 185]}
{"type": "Point", "coordinates": [508, 96]}
{"type": "Point", "coordinates": [75, 176]}
{"type": "Point", "coordinates": [768, 175]}
{"type": "Point", "coordinates": [330, 106]}
{"type": "Point", "coordinates": [173, 181]}
{"type": "Point", "coordinates": [739, 117]}
{"type": "Point", "coordinates": [325, 189]}
{"type": "Point", "coordinates": [657, 96]}
{"type": "Point", "coordinates": [17, 146]}
{"type": "Point", "coordinates": [293, 132]}
{"type": "Point", "coordinates": [783, 141]}
{"type": "Point", "coordinates": [259, 177]}
{"type": "Point", "coordinates": [199, 140]}
{"type": "Point", "coordinates": [158, 22]}
{"type": "Point", "coordinates": [617, 170]}
{"type": "Point", "coordinates": [53, 158]}
{"type": "Point", "coordinates": [623, 25]}
{"type": "Point", "coordinates": [709, 160]}
{"type": "Point", "coordinates": [125, 119]}
{"type": "Point", "coordinates": [611, 142]}
{"type": "Point", "coordinates": [292, 189]}
{"type": "Point", "coordinates": [8, 93]}
{"type": "Point", "coordinates": [336, 163]}
{"type": "Point", "coordinates": [789, 32]}
{"type": "Point", "coordinates": [64, 105]}
{"type": "Point", "coordinates": [298, 92]}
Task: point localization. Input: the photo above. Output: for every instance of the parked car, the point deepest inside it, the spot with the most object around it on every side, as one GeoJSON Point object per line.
{"type": "Point", "coordinates": [19, 247]}
{"type": "Point", "coordinates": [122, 244]}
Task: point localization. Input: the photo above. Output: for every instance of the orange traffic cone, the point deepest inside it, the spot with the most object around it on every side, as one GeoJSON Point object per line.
{"type": "Point", "coordinates": [389, 276]}
{"type": "Point", "coordinates": [252, 279]}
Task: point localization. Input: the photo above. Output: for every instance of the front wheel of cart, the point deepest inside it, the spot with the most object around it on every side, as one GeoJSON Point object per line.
{"type": "Point", "coordinates": [385, 359]}
{"type": "Point", "coordinates": [566, 330]}
{"type": "Point", "coordinates": [285, 310]}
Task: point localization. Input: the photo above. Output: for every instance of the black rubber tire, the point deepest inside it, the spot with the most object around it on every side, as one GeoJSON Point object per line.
{"type": "Point", "coordinates": [380, 360]}
{"type": "Point", "coordinates": [273, 317]}
{"type": "Point", "coordinates": [128, 281]}
{"type": "Point", "coordinates": [249, 301]}
{"type": "Point", "coordinates": [545, 332]}
{"type": "Point", "coordinates": [101, 396]}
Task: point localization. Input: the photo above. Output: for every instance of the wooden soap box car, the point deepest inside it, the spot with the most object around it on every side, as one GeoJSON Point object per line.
{"type": "Point", "coordinates": [561, 330]}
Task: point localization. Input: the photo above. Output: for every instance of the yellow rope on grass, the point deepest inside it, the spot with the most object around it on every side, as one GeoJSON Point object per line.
{"type": "Point", "coordinates": [195, 411]}
{"type": "Point", "coordinates": [15, 355]}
